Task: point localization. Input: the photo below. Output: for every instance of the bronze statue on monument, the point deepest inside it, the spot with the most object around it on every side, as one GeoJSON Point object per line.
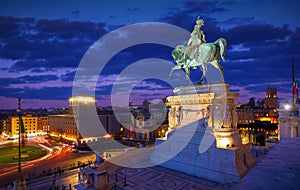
{"type": "Point", "coordinates": [199, 53]}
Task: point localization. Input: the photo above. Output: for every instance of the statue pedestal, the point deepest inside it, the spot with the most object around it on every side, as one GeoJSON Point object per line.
{"type": "Point", "coordinates": [202, 139]}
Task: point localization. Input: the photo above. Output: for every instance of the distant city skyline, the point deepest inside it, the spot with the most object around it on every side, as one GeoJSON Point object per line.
{"type": "Point", "coordinates": [41, 45]}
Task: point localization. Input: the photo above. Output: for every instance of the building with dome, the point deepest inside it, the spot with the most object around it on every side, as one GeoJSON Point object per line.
{"type": "Point", "coordinates": [141, 122]}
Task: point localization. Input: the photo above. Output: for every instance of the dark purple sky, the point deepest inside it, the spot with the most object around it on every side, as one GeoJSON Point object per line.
{"type": "Point", "coordinates": [42, 44]}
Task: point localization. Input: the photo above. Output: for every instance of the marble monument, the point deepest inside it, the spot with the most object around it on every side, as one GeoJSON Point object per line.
{"type": "Point", "coordinates": [202, 138]}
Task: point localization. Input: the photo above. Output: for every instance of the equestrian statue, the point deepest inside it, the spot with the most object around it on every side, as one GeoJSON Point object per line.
{"type": "Point", "coordinates": [199, 53]}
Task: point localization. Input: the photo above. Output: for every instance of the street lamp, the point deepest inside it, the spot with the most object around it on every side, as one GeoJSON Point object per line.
{"type": "Point", "coordinates": [287, 107]}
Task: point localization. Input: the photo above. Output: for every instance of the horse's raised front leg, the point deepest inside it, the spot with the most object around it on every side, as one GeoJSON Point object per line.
{"type": "Point", "coordinates": [204, 70]}
{"type": "Point", "coordinates": [173, 68]}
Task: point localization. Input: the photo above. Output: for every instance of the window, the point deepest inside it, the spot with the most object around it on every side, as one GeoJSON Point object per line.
{"type": "Point", "coordinates": [245, 160]}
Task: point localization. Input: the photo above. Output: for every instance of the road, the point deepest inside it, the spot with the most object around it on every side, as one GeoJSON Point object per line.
{"type": "Point", "coordinates": [58, 161]}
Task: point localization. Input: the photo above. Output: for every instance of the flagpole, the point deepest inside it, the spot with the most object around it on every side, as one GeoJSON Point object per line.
{"type": "Point", "coordinates": [19, 183]}
{"type": "Point", "coordinates": [293, 83]}
{"type": "Point", "coordinates": [19, 158]}
{"type": "Point", "coordinates": [296, 90]}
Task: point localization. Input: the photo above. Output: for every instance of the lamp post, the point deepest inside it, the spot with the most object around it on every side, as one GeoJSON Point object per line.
{"type": "Point", "coordinates": [287, 106]}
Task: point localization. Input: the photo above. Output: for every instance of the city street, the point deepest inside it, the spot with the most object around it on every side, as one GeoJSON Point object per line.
{"type": "Point", "coordinates": [60, 161]}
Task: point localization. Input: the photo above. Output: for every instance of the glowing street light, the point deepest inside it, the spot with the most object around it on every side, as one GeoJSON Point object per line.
{"type": "Point", "coordinates": [287, 106]}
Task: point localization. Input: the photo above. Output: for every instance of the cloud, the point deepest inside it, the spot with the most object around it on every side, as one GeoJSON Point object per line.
{"type": "Point", "coordinates": [44, 54]}
{"type": "Point", "coordinates": [204, 6]}
{"type": "Point", "coordinates": [152, 84]}
{"type": "Point", "coordinates": [8, 27]}
{"type": "Point", "coordinates": [34, 48]}
{"type": "Point", "coordinates": [75, 13]}
{"type": "Point", "coordinates": [6, 82]}
{"type": "Point", "coordinates": [68, 76]}
{"type": "Point", "coordinates": [240, 21]}
{"type": "Point", "coordinates": [239, 47]}
{"type": "Point", "coordinates": [37, 78]}
{"type": "Point", "coordinates": [133, 9]}
{"type": "Point", "coordinates": [46, 93]}
{"type": "Point", "coordinates": [27, 79]}
{"type": "Point", "coordinates": [135, 53]}
{"type": "Point", "coordinates": [11, 103]}
{"type": "Point", "coordinates": [256, 34]}
{"type": "Point", "coordinates": [46, 43]}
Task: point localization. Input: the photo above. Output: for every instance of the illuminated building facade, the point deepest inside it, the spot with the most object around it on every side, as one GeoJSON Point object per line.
{"type": "Point", "coordinates": [247, 115]}
{"type": "Point", "coordinates": [43, 123]}
{"type": "Point", "coordinates": [257, 120]}
{"type": "Point", "coordinates": [5, 126]}
{"type": "Point", "coordinates": [76, 102]}
{"type": "Point", "coordinates": [289, 121]}
{"type": "Point", "coordinates": [262, 111]}
{"type": "Point", "coordinates": [140, 121]}
{"type": "Point", "coordinates": [65, 126]}
{"type": "Point", "coordinates": [143, 125]}
{"type": "Point", "coordinates": [271, 100]}
{"type": "Point", "coordinates": [32, 125]}
{"type": "Point", "coordinates": [289, 126]}
{"type": "Point", "coordinates": [110, 123]}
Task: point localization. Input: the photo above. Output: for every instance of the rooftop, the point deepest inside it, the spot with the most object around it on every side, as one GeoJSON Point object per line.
{"type": "Point", "coordinates": [277, 169]}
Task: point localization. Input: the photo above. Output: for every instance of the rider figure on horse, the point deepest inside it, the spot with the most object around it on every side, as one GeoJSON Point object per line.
{"type": "Point", "coordinates": [197, 38]}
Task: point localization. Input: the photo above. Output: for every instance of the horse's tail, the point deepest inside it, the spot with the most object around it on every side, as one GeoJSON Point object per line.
{"type": "Point", "coordinates": [222, 44]}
